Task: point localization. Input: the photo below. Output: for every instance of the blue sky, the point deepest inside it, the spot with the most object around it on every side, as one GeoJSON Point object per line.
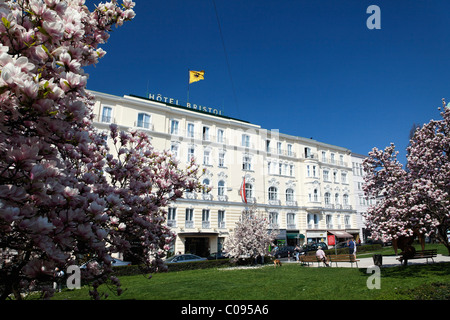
{"type": "Point", "coordinates": [307, 68]}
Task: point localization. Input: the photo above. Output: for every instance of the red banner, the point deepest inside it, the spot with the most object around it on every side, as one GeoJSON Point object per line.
{"type": "Point", "coordinates": [331, 240]}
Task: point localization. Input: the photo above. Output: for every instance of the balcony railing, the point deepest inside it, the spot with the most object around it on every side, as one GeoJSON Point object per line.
{"type": "Point", "coordinates": [206, 224]}
{"type": "Point", "coordinates": [172, 223]}
{"type": "Point", "coordinates": [189, 224]}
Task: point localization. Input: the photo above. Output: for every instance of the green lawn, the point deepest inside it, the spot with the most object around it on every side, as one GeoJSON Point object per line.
{"type": "Point", "coordinates": [291, 281]}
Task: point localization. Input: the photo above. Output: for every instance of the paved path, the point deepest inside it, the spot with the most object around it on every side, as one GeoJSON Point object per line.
{"type": "Point", "coordinates": [388, 261]}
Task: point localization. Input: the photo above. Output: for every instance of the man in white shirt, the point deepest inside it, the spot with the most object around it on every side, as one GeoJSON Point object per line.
{"type": "Point", "coordinates": [320, 254]}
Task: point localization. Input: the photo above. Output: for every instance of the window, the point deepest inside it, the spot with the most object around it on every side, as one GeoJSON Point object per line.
{"type": "Point", "coordinates": [189, 214]}
{"type": "Point", "coordinates": [347, 221]}
{"type": "Point", "coordinates": [273, 193]}
{"type": "Point", "coordinates": [221, 218]}
{"type": "Point", "coordinates": [344, 177]}
{"type": "Point", "coordinates": [324, 156]}
{"type": "Point", "coordinates": [336, 198]}
{"type": "Point", "coordinates": [206, 186]}
{"type": "Point", "coordinates": [280, 169]}
{"type": "Point", "coordinates": [316, 195]}
{"type": "Point", "coordinates": [326, 176]}
{"type": "Point", "coordinates": [248, 191]}
{"type": "Point", "coordinates": [290, 220]}
{"type": "Point", "coordinates": [174, 150]}
{"type": "Point", "coordinates": [107, 114]}
{"type": "Point", "coordinates": [172, 214]}
{"type": "Point", "coordinates": [143, 120]}
{"type": "Point", "coordinates": [221, 159]}
{"type": "Point", "coordinates": [246, 163]}
{"type": "Point", "coordinates": [246, 140]}
{"type": "Point", "coordinates": [279, 147]}
{"type": "Point", "coordinates": [327, 198]}
{"type": "Point", "coordinates": [205, 215]}
{"type": "Point", "coordinates": [191, 153]}
{"type": "Point", "coordinates": [205, 218]}
{"type": "Point", "coordinates": [273, 219]}
{"type": "Point", "coordinates": [329, 219]}
{"type": "Point", "coordinates": [174, 127]}
{"type": "Point", "coordinates": [190, 130]}
{"type": "Point", "coordinates": [268, 146]}
{"type": "Point", "coordinates": [172, 217]}
{"type": "Point", "coordinates": [221, 188]}
{"type": "Point", "coordinates": [289, 150]}
{"type": "Point", "coordinates": [289, 195]}
{"type": "Point", "coordinates": [308, 153]}
{"type": "Point", "coordinates": [189, 218]}
{"type": "Point", "coordinates": [206, 133]}
{"type": "Point", "coordinates": [335, 176]}
{"type": "Point", "coordinates": [345, 199]}
{"type": "Point", "coordinates": [206, 156]}
{"type": "Point", "coordinates": [220, 136]}
{"type": "Point", "coordinates": [332, 158]}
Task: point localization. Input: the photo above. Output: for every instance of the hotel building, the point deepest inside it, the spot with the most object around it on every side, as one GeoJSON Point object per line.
{"type": "Point", "coordinates": [305, 187]}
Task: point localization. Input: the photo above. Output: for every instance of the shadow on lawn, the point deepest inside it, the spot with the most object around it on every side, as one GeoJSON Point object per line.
{"type": "Point", "coordinates": [414, 271]}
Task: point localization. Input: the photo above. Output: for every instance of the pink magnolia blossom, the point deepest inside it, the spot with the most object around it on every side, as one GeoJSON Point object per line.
{"type": "Point", "coordinates": [417, 198]}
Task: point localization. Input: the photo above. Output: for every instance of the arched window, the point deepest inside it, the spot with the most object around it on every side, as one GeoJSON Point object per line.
{"type": "Point", "coordinates": [289, 194]}
{"type": "Point", "coordinates": [316, 195]}
{"type": "Point", "coordinates": [273, 193]}
{"type": "Point", "coordinates": [327, 198]}
{"type": "Point", "coordinates": [206, 185]}
{"type": "Point", "coordinates": [221, 188]}
{"type": "Point", "coordinates": [248, 191]}
{"type": "Point", "coordinates": [345, 199]}
{"type": "Point", "coordinates": [336, 198]}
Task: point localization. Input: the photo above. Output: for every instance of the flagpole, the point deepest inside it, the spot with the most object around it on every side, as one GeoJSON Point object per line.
{"type": "Point", "coordinates": [188, 86]}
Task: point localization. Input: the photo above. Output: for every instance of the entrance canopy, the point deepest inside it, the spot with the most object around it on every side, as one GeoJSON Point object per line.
{"type": "Point", "coordinates": [341, 234]}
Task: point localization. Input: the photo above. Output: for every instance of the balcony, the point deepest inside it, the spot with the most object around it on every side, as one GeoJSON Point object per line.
{"type": "Point", "coordinates": [189, 224]}
{"type": "Point", "coordinates": [206, 224]}
{"type": "Point", "coordinates": [172, 223]}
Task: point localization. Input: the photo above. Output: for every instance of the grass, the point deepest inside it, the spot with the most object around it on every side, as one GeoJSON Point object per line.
{"type": "Point", "coordinates": [290, 282]}
{"type": "Point", "coordinates": [389, 251]}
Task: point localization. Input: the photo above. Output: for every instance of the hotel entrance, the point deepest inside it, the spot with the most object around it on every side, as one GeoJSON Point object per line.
{"type": "Point", "coordinates": [197, 245]}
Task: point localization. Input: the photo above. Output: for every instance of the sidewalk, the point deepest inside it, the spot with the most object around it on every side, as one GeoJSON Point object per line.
{"type": "Point", "coordinates": [388, 261]}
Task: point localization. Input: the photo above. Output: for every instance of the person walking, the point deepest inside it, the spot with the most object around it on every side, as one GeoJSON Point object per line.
{"type": "Point", "coordinates": [352, 247]}
{"type": "Point", "coordinates": [297, 253]}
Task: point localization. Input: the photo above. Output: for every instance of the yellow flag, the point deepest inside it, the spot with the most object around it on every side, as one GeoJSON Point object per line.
{"type": "Point", "coordinates": [195, 76]}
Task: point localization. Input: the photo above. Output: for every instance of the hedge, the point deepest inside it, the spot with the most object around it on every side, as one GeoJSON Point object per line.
{"type": "Point", "coordinates": [194, 265]}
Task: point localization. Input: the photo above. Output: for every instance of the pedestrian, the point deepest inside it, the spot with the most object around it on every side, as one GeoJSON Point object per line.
{"type": "Point", "coordinates": [352, 247]}
{"type": "Point", "coordinates": [297, 253]}
{"type": "Point", "coordinates": [320, 254]}
{"type": "Point", "coordinates": [59, 274]}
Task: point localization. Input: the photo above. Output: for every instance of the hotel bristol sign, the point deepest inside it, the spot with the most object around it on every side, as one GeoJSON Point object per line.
{"type": "Point", "coordinates": [158, 97]}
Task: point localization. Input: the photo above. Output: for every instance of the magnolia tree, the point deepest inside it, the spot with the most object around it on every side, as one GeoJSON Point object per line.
{"type": "Point", "coordinates": [416, 199]}
{"type": "Point", "coordinates": [251, 237]}
{"type": "Point", "coordinates": [63, 196]}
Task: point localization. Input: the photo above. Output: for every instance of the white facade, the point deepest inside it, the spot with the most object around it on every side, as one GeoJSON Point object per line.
{"type": "Point", "coordinates": [361, 201]}
{"type": "Point", "coordinates": [304, 186]}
